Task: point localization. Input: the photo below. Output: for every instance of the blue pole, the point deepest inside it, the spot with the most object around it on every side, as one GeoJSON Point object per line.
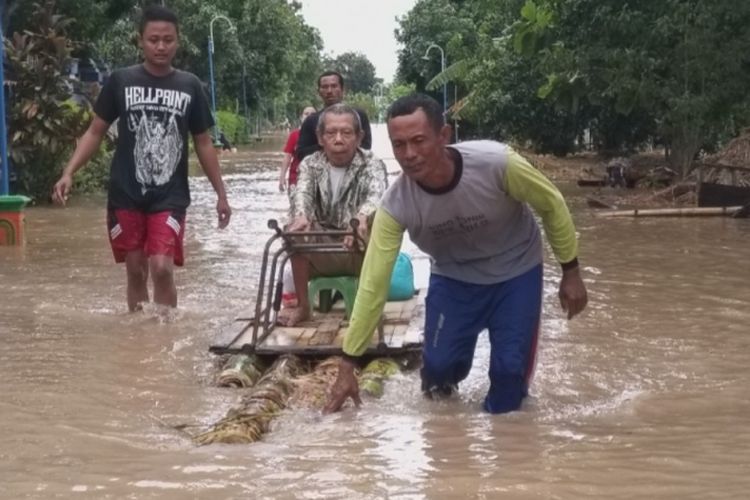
{"type": "Point", "coordinates": [5, 188]}
{"type": "Point", "coordinates": [213, 85]}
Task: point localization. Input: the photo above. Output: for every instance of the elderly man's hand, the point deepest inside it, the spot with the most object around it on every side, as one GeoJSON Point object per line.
{"type": "Point", "coordinates": [299, 223]}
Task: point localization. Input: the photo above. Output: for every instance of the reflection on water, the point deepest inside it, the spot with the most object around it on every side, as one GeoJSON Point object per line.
{"type": "Point", "coordinates": [645, 396]}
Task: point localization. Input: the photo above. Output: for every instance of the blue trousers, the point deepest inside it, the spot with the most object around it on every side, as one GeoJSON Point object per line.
{"type": "Point", "coordinates": [456, 312]}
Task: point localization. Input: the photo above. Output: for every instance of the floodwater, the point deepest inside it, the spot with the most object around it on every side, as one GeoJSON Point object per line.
{"type": "Point", "coordinates": [643, 396]}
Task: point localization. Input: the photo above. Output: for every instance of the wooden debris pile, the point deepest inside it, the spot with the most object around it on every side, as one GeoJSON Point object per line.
{"type": "Point", "coordinates": [735, 154]}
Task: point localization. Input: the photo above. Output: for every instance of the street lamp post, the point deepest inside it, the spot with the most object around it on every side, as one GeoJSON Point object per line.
{"type": "Point", "coordinates": [211, 69]}
{"type": "Point", "coordinates": [426, 57]}
{"type": "Point", "coordinates": [244, 100]}
{"type": "Point", "coordinates": [379, 100]}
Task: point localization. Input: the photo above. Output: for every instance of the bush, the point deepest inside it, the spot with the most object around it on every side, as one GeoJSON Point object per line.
{"type": "Point", "coordinates": [94, 177]}
{"type": "Point", "coordinates": [233, 126]}
{"type": "Point", "coordinates": [365, 102]}
{"type": "Point", "coordinates": [43, 123]}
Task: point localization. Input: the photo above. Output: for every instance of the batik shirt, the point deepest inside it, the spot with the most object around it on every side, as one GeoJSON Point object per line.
{"type": "Point", "coordinates": [359, 193]}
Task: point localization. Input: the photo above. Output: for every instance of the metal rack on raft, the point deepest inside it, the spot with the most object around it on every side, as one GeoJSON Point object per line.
{"type": "Point", "coordinates": [258, 334]}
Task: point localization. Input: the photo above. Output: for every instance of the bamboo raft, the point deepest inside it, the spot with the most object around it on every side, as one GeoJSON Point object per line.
{"type": "Point", "coordinates": [279, 367]}
{"type": "Point", "coordinates": [324, 334]}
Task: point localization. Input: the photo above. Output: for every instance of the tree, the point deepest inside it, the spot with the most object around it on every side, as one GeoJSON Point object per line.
{"type": "Point", "coordinates": [43, 123]}
{"type": "Point", "coordinates": [682, 63]}
{"type": "Point", "coordinates": [357, 70]}
{"type": "Point", "coordinates": [443, 22]}
{"type": "Point", "coordinates": [88, 19]}
{"type": "Point", "coordinates": [504, 104]}
{"type": "Point", "coordinates": [365, 102]}
{"type": "Point", "coordinates": [269, 51]}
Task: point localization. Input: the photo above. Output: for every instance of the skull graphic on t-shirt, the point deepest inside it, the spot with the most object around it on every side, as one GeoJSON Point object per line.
{"type": "Point", "coordinates": [158, 147]}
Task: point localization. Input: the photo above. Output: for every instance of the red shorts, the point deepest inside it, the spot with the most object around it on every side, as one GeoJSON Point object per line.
{"type": "Point", "coordinates": [159, 233]}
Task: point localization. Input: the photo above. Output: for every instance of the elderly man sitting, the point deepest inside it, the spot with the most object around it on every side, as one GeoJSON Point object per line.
{"type": "Point", "coordinates": [338, 183]}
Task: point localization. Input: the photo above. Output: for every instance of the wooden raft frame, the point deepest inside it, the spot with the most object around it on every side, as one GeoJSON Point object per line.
{"type": "Point", "coordinates": [322, 335]}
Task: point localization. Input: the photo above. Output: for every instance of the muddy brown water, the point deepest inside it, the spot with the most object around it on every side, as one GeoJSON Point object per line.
{"type": "Point", "coordinates": [644, 396]}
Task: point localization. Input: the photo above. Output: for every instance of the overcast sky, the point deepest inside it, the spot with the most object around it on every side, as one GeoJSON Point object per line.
{"type": "Point", "coordinates": [364, 26]}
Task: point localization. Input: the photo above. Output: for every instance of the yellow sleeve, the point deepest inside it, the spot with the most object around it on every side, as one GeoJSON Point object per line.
{"type": "Point", "coordinates": [528, 185]}
{"type": "Point", "coordinates": [374, 282]}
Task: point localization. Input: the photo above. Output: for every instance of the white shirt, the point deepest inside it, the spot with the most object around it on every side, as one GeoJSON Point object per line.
{"type": "Point", "coordinates": [336, 174]}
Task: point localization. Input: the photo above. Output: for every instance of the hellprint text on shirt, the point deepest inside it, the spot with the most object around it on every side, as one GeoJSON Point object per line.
{"type": "Point", "coordinates": [152, 116]}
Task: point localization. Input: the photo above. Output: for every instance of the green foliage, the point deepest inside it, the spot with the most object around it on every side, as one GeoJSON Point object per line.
{"type": "Point", "coordinates": [393, 92]}
{"type": "Point", "coordinates": [443, 22]}
{"type": "Point", "coordinates": [675, 65]}
{"type": "Point", "coordinates": [399, 90]}
{"type": "Point", "coordinates": [363, 101]}
{"type": "Point", "coordinates": [357, 70]}
{"type": "Point", "coordinates": [504, 104]}
{"type": "Point", "coordinates": [455, 71]}
{"type": "Point", "coordinates": [233, 126]}
{"type": "Point", "coordinates": [43, 124]}
{"type": "Point", "coordinates": [541, 72]}
{"type": "Point", "coordinates": [119, 44]}
{"type": "Point", "coordinates": [95, 176]}
{"type": "Point", "coordinates": [267, 59]}
{"type": "Point", "coordinates": [85, 16]}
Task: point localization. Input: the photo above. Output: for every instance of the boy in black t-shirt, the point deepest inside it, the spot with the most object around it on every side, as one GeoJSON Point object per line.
{"type": "Point", "coordinates": [157, 107]}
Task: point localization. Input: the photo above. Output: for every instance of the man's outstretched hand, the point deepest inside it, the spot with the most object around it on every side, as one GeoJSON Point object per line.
{"type": "Point", "coordinates": [345, 387]}
{"type": "Point", "coordinates": [61, 190]}
{"type": "Point", "coordinates": [573, 296]}
{"type": "Point", "coordinates": [224, 212]}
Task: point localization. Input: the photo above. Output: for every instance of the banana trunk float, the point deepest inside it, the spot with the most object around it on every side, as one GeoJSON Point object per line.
{"type": "Point", "coordinates": [374, 375]}
{"type": "Point", "coordinates": [241, 370]}
{"type": "Point", "coordinates": [250, 419]}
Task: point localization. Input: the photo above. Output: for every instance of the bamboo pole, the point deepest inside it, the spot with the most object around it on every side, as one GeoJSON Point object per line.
{"type": "Point", "coordinates": [671, 212]}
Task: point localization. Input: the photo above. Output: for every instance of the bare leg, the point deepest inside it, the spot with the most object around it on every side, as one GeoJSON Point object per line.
{"type": "Point", "coordinates": [301, 272]}
{"type": "Point", "coordinates": [162, 274]}
{"type": "Point", "coordinates": [136, 267]}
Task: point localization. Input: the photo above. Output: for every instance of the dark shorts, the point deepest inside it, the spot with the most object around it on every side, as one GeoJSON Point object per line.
{"type": "Point", "coordinates": [159, 233]}
{"type": "Point", "coordinates": [456, 312]}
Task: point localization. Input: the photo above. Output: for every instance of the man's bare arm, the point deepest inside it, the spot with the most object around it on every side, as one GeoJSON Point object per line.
{"type": "Point", "coordinates": [87, 146]}
{"type": "Point", "coordinates": [204, 148]}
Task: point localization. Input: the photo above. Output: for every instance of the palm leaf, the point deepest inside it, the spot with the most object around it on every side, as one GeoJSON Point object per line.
{"type": "Point", "coordinates": [455, 71]}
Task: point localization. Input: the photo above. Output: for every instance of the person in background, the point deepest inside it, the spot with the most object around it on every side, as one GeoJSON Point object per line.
{"type": "Point", "coordinates": [290, 164]}
{"type": "Point", "coordinates": [225, 144]}
{"type": "Point", "coordinates": [467, 206]}
{"type": "Point", "coordinates": [158, 106]}
{"type": "Point", "coordinates": [331, 91]}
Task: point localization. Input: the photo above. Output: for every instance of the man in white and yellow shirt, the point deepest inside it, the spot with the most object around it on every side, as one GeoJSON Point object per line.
{"type": "Point", "coordinates": [467, 207]}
